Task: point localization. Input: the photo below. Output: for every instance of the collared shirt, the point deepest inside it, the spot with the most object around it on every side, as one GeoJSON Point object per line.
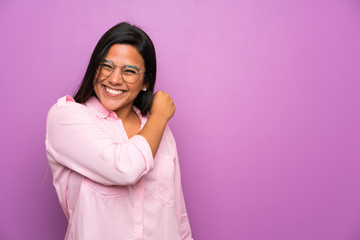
{"type": "Point", "coordinates": [110, 186]}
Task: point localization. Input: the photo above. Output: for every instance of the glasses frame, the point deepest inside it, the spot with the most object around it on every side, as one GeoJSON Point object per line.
{"type": "Point", "coordinates": [121, 70]}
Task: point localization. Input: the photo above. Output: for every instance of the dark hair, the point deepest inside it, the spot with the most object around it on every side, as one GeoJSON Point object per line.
{"type": "Point", "coordinates": [122, 33]}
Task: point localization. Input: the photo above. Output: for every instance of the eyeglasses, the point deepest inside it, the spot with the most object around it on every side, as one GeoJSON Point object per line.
{"type": "Point", "coordinates": [129, 73]}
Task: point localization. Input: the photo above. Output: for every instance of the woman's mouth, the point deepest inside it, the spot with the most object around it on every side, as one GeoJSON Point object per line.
{"type": "Point", "coordinates": [113, 92]}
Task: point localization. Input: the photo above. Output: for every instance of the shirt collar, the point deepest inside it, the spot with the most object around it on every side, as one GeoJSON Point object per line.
{"type": "Point", "coordinates": [95, 106]}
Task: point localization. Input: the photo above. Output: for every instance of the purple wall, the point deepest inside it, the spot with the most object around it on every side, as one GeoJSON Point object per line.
{"type": "Point", "coordinates": [267, 120]}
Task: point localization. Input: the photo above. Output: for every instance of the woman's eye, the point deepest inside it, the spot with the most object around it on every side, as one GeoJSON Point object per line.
{"type": "Point", "coordinates": [107, 66]}
{"type": "Point", "coordinates": [129, 71]}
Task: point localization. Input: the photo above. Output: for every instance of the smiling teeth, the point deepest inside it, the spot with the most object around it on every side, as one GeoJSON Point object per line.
{"type": "Point", "coordinates": [112, 91]}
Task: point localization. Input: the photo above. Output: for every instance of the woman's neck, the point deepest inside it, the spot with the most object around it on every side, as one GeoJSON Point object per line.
{"type": "Point", "coordinates": [131, 122]}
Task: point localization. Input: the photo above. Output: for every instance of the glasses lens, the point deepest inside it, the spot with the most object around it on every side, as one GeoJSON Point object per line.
{"type": "Point", "coordinates": [130, 74]}
{"type": "Point", "coordinates": [105, 69]}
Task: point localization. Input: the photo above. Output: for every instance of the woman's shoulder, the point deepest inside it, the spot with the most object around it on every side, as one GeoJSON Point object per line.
{"type": "Point", "coordinates": [66, 106]}
{"type": "Point", "coordinates": [67, 102]}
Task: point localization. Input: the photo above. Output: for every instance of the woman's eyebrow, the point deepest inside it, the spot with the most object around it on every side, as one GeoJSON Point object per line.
{"type": "Point", "coordinates": [132, 66]}
{"type": "Point", "coordinates": [128, 65]}
{"type": "Point", "coordinates": [109, 61]}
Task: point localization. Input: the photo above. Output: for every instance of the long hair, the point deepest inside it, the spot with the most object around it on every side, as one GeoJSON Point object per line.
{"type": "Point", "coordinates": [122, 33]}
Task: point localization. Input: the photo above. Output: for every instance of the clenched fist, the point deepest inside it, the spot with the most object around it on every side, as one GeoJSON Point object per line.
{"type": "Point", "coordinates": [162, 106]}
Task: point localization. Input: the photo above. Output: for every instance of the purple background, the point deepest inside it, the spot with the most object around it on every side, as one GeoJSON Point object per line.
{"type": "Point", "coordinates": [267, 120]}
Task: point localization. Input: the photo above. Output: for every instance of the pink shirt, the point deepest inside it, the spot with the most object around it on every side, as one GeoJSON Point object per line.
{"type": "Point", "coordinates": [110, 186]}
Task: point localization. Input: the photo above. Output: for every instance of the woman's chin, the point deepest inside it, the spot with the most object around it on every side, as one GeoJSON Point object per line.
{"type": "Point", "coordinates": [112, 107]}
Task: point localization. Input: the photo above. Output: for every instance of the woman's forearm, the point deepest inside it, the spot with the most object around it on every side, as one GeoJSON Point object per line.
{"type": "Point", "coordinates": [153, 131]}
{"type": "Point", "coordinates": [162, 109]}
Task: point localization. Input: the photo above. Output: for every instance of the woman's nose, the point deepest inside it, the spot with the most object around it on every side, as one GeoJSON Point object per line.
{"type": "Point", "coordinates": [116, 77]}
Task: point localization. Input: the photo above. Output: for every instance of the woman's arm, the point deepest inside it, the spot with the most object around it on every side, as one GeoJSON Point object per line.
{"type": "Point", "coordinates": [75, 140]}
{"type": "Point", "coordinates": [162, 109]}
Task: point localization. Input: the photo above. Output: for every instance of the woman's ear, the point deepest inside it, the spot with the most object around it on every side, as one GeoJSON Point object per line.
{"type": "Point", "coordinates": [145, 87]}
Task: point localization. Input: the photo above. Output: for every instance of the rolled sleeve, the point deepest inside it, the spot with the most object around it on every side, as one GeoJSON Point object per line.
{"type": "Point", "coordinates": [144, 147]}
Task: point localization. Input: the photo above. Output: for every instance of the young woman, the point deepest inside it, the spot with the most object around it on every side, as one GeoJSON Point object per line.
{"type": "Point", "coordinates": [113, 158]}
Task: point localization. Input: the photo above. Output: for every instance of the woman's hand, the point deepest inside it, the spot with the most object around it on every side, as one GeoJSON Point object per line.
{"type": "Point", "coordinates": [162, 106]}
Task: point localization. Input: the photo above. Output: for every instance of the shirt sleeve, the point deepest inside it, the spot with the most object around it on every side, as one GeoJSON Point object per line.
{"type": "Point", "coordinates": [180, 208]}
{"type": "Point", "coordinates": [75, 140]}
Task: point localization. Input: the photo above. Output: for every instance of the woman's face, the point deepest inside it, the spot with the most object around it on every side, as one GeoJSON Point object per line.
{"type": "Point", "coordinates": [113, 92]}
